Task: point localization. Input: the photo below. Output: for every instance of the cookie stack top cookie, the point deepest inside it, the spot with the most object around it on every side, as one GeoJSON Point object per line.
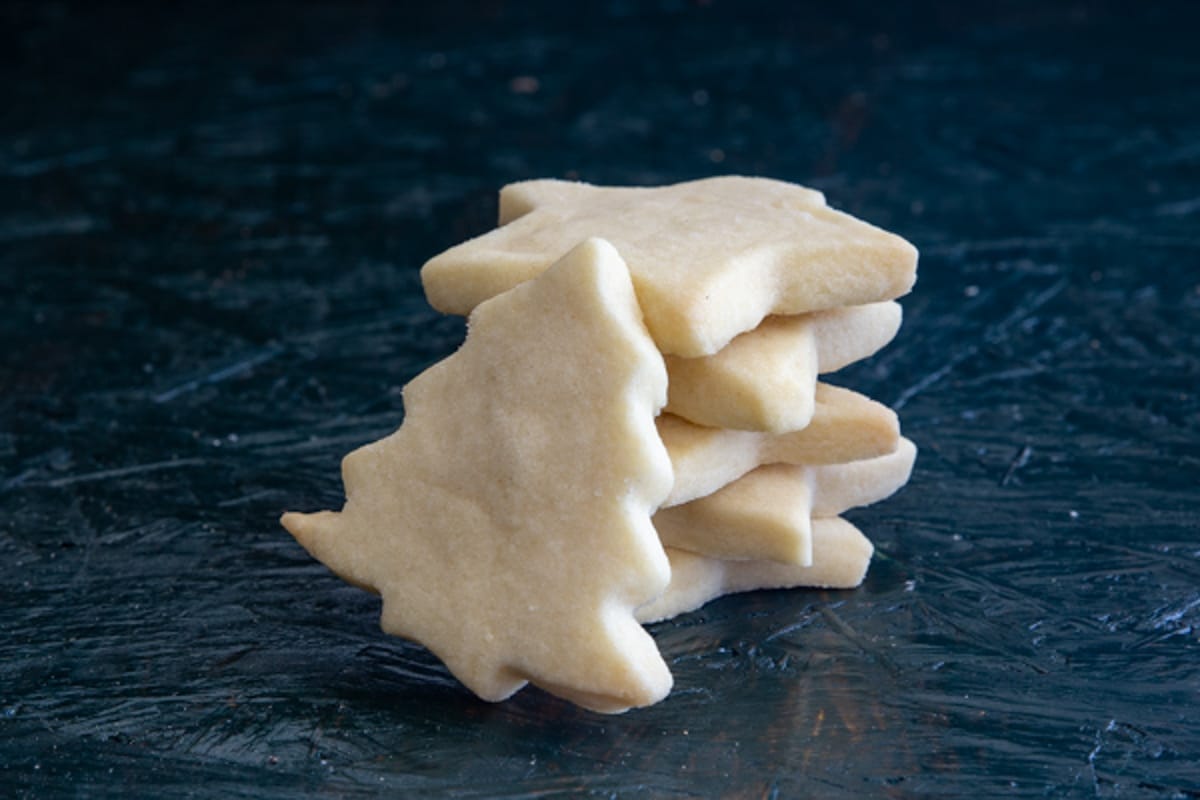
{"type": "Point", "coordinates": [710, 259]}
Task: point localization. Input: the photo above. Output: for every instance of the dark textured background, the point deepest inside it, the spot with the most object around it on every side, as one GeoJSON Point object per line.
{"type": "Point", "coordinates": [211, 223]}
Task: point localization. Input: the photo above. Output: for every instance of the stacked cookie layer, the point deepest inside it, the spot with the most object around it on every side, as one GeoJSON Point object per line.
{"type": "Point", "coordinates": [633, 426]}
{"type": "Point", "coordinates": [751, 289]}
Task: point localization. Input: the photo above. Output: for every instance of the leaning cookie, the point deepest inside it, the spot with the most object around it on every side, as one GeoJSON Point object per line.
{"type": "Point", "coordinates": [506, 524]}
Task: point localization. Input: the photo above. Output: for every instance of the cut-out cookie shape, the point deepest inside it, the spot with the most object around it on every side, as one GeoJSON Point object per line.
{"type": "Point", "coordinates": [767, 514]}
{"type": "Point", "coordinates": [841, 487]}
{"type": "Point", "coordinates": [846, 426]}
{"type": "Point", "coordinates": [710, 259]}
{"type": "Point", "coordinates": [506, 524]}
{"type": "Point", "coordinates": [841, 555]}
{"type": "Point", "coordinates": [764, 379]}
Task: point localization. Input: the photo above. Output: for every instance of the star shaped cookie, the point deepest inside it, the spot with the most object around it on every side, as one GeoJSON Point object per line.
{"type": "Point", "coordinates": [506, 524]}
{"type": "Point", "coordinates": [841, 555]}
{"type": "Point", "coordinates": [710, 258]}
{"type": "Point", "coordinates": [767, 514]}
{"type": "Point", "coordinates": [846, 426]}
{"type": "Point", "coordinates": [764, 380]}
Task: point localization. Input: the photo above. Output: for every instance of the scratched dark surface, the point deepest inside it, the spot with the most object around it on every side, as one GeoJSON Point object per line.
{"type": "Point", "coordinates": [210, 230]}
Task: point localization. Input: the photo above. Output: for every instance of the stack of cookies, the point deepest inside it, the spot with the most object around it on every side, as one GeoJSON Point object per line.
{"type": "Point", "coordinates": [751, 288]}
{"type": "Point", "coordinates": [633, 427]}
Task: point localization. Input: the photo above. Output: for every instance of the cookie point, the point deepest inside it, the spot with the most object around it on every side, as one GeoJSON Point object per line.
{"type": "Point", "coordinates": [300, 526]}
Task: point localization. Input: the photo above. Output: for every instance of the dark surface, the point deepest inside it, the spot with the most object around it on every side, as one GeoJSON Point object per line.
{"type": "Point", "coordinates": [210, 230]}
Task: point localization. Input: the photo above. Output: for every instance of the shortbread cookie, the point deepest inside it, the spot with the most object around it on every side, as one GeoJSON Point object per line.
{"type": "Point", "coordinates": [763, 380]}
{"type": "Point", "coordinates": [841, 555]}
{"type": "Point", "coordinates": [710, 259]}
{"type": "Point", "coordinates": [847, 335]}
{"type": "Point", "coordinates": [766, 515]}
{"type": "Point", "coordinates": [506, 524]}
{"type": "Point", "coordinates": [845, 427]}
{"type": "Point", "coordinates": [840, 487]}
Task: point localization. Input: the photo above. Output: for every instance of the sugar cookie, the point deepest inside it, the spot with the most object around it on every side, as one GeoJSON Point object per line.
{"type": "Point", "coordinates": [845, 427]}
{"type": "Point", "coordinates": [840, 487]}
{"type": "Point", "coordinates": [841, 555]}
{"type": "Point", "coordinates": [710, 258]}
{"type": "Point", "coordinates": [766, 515]}
{"type": "Point", "coordinates": [764, 379]}
{"type": "Point", "coordinates": [506, 524]}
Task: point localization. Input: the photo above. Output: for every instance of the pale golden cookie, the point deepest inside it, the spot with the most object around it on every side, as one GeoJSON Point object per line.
{"type": "Point", "coordinates": [766, 514]}
{"type": "Point", "coordinates": [845, 427]}
{"type": "Point", "coordinates": [841, 555]}
{"type": "Point", "coordinates": [710, 259]}
{"type": "Point", "coordinates": [846, 335]}
{"type": "Point", "coordinates": [764, 379]}
{"type": "Point", "coordinates": [506, 524]}
{"type": "Point", "coordinates": [839, 487]}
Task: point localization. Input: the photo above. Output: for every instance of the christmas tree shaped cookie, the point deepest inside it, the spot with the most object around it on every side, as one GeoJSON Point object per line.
{"type": "Point", "coordinates": [506, 524]}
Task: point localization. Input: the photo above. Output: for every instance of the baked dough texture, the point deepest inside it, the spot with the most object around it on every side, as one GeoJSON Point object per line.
{"type": "Point", "coordinates": [765, 379]}
{"type": "Point", "coordinates": [506, 524]}
{"type": "Point", "coordinates": [766, 514]}
{"type": "Point", "coordinates": [710, 259]}
{"type": "Point", "coordinates": [841, 555]}
{"type": "Point", "coordinates": [846, 426]}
